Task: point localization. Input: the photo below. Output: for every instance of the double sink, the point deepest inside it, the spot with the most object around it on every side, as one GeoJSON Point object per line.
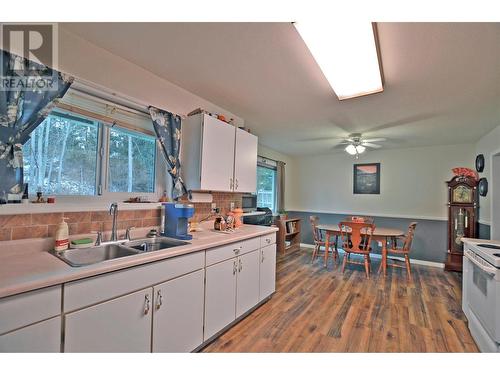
{"type": "Point", "coordinates": [115, 250]}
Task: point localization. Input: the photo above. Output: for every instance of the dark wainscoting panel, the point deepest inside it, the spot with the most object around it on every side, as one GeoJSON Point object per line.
{"type": "Point", "coordinates": [430, 237]}
{"type": "Point", "coordinates": [484, 231]}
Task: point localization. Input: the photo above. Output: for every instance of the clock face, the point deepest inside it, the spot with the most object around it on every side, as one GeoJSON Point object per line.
{"type": "Point", "coordinates": [462, 194]}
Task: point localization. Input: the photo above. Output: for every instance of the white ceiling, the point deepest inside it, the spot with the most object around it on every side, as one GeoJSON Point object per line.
{"type": "Point", "coordinates": [442, 80]}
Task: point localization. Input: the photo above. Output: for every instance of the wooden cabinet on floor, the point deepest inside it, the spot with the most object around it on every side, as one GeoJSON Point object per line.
{"type": "Point", "coordinates": [178, 314]}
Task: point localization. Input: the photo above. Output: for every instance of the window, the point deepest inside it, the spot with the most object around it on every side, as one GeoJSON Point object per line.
{"type": "Point", "coordinates": [61, 156]}
{"type": "Point", "coordinates": [131, 162]}
{"type": "Point", "coordinates": [73, 154]}
{"type": "Point", "coordinates": [266, 186]}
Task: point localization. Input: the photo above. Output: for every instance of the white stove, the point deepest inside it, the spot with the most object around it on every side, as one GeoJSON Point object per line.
{"type": "Point", "coordinates": [481, 292]}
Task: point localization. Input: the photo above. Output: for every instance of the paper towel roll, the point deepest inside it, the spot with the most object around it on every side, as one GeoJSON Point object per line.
{"type": "Point", "coordinates": [200, 197]}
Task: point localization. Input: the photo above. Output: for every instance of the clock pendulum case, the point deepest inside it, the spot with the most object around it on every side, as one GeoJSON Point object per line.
{"type": "Point", "coordinates": [462, 218]}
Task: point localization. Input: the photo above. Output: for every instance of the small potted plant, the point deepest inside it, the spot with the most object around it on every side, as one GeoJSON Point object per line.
{"type": "Point", "coordinates": [283, 215]}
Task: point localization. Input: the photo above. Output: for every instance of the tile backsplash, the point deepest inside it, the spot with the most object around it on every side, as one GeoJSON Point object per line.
{"type": "Point", "coordinates": [42, 225]}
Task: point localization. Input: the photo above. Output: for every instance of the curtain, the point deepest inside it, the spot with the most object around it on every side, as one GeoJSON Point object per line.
{"type": "Point", "coordinates": [21, 111]}
{"type": "Point", "coordinates": [168, 132]}
{"type": "Point", "coordinates": [280, 186]}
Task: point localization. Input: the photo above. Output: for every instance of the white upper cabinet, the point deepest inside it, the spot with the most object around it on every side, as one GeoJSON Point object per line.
{"type": "Point", "coordinates": [245, 162]}
{"type": "Point", "coordinates": [217, 156]}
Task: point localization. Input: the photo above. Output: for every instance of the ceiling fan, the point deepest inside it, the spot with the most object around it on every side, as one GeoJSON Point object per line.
{"type": "Point", "coordinates": [356, 144]}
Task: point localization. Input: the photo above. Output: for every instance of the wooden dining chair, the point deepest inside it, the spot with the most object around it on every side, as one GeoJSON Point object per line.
{"type": "Point", "coordinates": [404, 250]}
{"type": "Point", "coordinates": [320, 241]}
{"type": "Point", "coordinates": [356, 239]}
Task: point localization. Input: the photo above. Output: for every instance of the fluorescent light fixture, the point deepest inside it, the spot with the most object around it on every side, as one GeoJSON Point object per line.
{"type": "Point", "coordinates": [347, 55]}
{"type": "Point", "coordinates": [353, 150]}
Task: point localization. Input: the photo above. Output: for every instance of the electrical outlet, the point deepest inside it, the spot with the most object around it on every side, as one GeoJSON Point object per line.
{"type": "Point", "coordinates": [232, 206]}
{"type": "Point", "coordinates": [214, 208]}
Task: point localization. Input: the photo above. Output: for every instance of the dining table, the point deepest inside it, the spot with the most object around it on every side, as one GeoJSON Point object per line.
{"type": "Point", "coordinates": [380, 234]}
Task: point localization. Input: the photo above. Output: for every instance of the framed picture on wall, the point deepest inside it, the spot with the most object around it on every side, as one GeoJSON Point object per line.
{"type": "Point", "coordinates": [366, 178]}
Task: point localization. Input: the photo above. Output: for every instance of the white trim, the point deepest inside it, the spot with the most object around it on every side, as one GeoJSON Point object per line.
{"type": "Point", "coordinates": [491, 192]}
{"type": "Point", "coordinates": [379, 256]}
{"type": "Point", "coordinates": [398, 216]}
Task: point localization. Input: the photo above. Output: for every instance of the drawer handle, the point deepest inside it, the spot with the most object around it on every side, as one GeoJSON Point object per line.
{"type": "Point", "coordinates": [159, 300]}
{"type": "Point", "coordinates": [146, 306]}
{"type": "Point", "coordinates": [268, 240]}
{"type": "Point", "coordinates": [237, 251]}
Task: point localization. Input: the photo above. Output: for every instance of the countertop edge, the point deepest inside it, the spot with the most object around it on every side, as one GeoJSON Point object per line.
{"type": "Point", "coordinates": [123, 263]}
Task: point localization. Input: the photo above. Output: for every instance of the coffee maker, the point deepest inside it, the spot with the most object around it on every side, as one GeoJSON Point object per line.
{"type": "Point", "coordinates": [175, 220]}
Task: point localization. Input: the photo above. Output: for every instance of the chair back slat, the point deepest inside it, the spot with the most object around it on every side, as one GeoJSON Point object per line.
{"type": "Point", "coordinates": [409, 236]}
{"type": "Point", "coordinates": [356, 236]}
{"type": "Point", "coordinates": [314, 220]}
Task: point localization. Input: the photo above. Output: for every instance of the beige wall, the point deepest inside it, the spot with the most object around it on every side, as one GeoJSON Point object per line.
{"type": "Point", "coordinates": [412, 182]}
{"type": "Point", "coordinates": [488, 145]}
{"type": "Point", "coordinates": [90, 63]}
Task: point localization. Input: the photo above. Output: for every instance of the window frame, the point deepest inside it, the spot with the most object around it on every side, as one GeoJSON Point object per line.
{"type": "Point", "coordinates": [266, 163]}
{"type": "Point", "coordinates": [102, 165]}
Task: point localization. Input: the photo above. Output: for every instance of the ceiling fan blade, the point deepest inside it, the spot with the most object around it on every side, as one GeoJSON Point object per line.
{"type": "Point", "coordinates": [371, 145]}
{"type": "Point", "coordinates": [375, 140]}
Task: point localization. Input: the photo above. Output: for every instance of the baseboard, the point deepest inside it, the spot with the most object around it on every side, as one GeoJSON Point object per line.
{"type": "Point", "coordinates": [379, 256]}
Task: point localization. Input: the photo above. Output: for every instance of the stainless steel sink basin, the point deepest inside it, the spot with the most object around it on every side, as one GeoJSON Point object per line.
{"type": "Point", "coordinates": [92, 255]}
{"type": "Point", "coordinates": [154, 244]}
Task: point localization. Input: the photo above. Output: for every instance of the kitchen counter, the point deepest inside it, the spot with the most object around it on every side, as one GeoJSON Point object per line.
{"type": "Point", "coordinates": [26, 265]}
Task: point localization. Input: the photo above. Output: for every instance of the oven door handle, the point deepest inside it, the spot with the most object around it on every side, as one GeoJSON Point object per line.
{"type": "Point", "coordinates": [489, 270]}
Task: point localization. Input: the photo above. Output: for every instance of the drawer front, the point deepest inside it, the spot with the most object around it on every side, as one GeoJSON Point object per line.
{"type": "Point", "coordinates": [43, 337]}
{"type": "Point", "coordinates": [220, 254]}
{"type": "Point", "coordinates": [86, 292]}
{"type": "Point", "coordinates": [268, 239]}
{"type": "Point", "coordinates": [27, 308]}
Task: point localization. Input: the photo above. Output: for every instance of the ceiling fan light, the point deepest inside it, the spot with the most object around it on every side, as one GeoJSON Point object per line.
{"type": "Point", "coordinates": [351, 149]}
{"type": "Point", "coordinates": [360, 149]}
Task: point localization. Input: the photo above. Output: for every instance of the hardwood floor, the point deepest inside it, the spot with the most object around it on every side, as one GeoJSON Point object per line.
{"type": "Point", "coordinates": [320, 310]}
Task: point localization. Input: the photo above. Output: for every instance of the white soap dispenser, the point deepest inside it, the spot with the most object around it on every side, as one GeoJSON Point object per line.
{"type": "Point", "coordinates": [62, 236]}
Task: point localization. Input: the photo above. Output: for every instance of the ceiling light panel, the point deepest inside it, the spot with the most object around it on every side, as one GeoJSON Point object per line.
{"type": "Point", "coordinates": [347, 55]}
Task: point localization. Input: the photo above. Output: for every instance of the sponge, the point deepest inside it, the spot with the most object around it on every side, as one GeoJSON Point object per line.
{"type": "Point", "coordinates": [82, 241]}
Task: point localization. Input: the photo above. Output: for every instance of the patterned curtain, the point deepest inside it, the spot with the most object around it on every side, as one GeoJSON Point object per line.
{"type": "Point", "coordinates": [168, 131]}
{"type": "Point", "coordinates": [21, 111]}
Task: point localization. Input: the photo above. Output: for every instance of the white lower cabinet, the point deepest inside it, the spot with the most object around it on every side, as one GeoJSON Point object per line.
{"type": "Point", "coordinates": [178, 314]}
{"type": "Point", "coordinates": [247, 282]}
{"type": "Point", "coordinates": [43, 337]}
{"type": "Point", "coordinates": [220, 296]}
{"type": "Point", "coordinates": [267, 280]}
{"type": "Point", "coordinates": [120, 325]}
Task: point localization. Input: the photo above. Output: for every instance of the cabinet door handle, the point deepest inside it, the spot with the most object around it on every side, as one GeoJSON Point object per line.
{"type": "Point", "coordinates": [262, 258]}
{"type": "Point", "coordinates": [159, 300]}
{"type": "Point", "coordinates": [241, 266]}
{"type": "Point", "coordinates": [146, 304]}
{"type": "Point", "coordinates": [236, 185]}
{"type": "Point", "coordinates": [234, 267]}
{"type": "Point", "coordinates": [231, 184]}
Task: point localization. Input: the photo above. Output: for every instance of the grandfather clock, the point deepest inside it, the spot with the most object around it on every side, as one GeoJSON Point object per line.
{"type": "Point", "coordinates": [462, 217]}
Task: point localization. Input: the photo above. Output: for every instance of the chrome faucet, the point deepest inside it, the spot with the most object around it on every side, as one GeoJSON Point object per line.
{"type": "Point", "coordinates": [113, 210]}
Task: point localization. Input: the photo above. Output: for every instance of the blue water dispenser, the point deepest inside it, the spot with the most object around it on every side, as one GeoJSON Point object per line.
{"type": "Point", "coordinates": [175, 220]}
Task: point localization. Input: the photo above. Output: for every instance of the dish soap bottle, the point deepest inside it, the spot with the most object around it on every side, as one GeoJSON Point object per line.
{"type": "Point", "coordinates": [62, 236]}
